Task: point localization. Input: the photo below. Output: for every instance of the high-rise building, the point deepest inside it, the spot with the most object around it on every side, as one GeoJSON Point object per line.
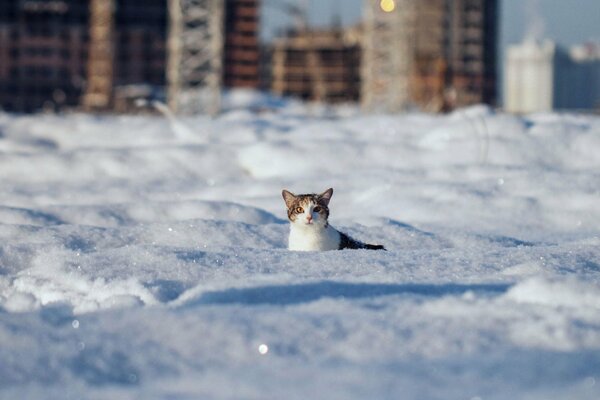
{"type": "Point", "coordinates": [541, 77]}
{"type": "Point", "coordinates": [472, 49]}
{"type": "Point", "coordinates": [582, 83]}
{"type": "Point", "coordinates": [241, 44]}
{"type": "Point", "coordinates": [43, 53]}
{"type": "Point", "coordinates": [132, 51]}
{"type": "Point", "coordinates": [530, 79]}
{"type": "Point", "coordinates": [63, 53]}
{"type": "Point", "coordinates": [434, 54]}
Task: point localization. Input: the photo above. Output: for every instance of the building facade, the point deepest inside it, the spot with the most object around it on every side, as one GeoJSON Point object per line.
{"type": "Point", "coordinates": [582, 86]}
{"type": "Point", "coordinates": [472, 50]}
{"type": "Point", "coordinates": [241, 58]}
{"type": "Point", "coordinates": [317, 66]}
{"type": "Point", "coordinates": [542, 77]}
{"type": "Point", "coordinates": [530, 77]}
{"type": "Point", "coordinates": [48, 59]}
{"type": "Point", "coordinates": [43, 53]}
{"type": "Point", "coordinates": [433, 54]}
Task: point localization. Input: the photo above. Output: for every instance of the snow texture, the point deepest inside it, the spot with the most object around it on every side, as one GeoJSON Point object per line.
{"type": "Point", "coordinates": [144, 257]}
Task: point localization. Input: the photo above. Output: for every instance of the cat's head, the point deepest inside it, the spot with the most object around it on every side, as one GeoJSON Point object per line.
{"type": "Point", "coordinates": [308, 209]}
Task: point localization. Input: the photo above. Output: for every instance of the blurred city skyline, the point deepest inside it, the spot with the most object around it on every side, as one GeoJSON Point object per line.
{"type": "Point", "coordinates": [436, 55]}
{"type": "Point", "coordinates": [565, 22]}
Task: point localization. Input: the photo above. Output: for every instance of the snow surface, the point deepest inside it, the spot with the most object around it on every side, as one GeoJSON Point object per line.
{"type": "Point", "coordinates": [144, 257]}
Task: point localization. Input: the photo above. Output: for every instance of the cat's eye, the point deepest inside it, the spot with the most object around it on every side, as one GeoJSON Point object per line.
{"type": "Point", "coordinates": [317, 209]}
{"type": "Point", "coordinates": [299, 210]}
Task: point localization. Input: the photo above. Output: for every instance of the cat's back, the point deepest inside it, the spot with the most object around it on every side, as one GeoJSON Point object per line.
{"type": "Point", "coordinates": [347, 242]}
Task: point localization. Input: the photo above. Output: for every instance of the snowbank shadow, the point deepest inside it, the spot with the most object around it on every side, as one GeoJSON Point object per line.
{"type": "Point", "coordinates": [15, 215]}
{"type": "Point", "coordinates": [307, 292]}
{"type": "Point", "coordinates": [409, 228]}
{"type": "Point", "coordinates": [100, 366]}
{"type": "Point", "coordinates": [506, 241]}
{"type": "Point", "coordinates": [165, 290]}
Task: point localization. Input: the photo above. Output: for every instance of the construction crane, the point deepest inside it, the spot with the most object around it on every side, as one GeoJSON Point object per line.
{"type": "Point", "coordinates": [195, 54]}
{"type": "Point", "coordinates": [98, 92]}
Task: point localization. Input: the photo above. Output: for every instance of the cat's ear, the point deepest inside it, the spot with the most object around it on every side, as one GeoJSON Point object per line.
{"type": "Point", "coordinates": [288, 197]}
{"type": "Point", "coordinates": [326, 196]}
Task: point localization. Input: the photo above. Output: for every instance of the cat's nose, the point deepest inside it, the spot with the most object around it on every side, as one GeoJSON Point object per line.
{"type": "Point", "coordinates": [309, 218]}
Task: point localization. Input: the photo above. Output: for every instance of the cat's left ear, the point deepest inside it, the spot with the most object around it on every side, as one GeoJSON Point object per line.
{"type": "Point", "coordinates": [326, 196]}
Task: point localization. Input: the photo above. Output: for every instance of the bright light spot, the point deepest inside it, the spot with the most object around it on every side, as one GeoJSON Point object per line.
{"type": "Point", "coordinates": [388, 5]}
{"type": "Point", "coordinates": [500, 181]}
{"type": "Point", "coordinates": [75, 324]}
{"type": "Point", "coordinates": [263, 349]}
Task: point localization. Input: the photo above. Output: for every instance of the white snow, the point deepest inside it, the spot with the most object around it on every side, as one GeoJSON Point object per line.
{"type": "Point", "coordinates": [145, 256]}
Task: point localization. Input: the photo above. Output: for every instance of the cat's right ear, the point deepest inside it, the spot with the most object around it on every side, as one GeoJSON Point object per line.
{"type": "Point", "coordinates": [288, 197]}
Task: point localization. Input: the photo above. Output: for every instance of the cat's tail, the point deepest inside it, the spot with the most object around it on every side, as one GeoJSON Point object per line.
{"type": "Point", "coordinates": [374, 247]}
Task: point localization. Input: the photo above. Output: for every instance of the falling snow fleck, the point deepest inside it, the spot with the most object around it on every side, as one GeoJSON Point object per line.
{"type": "Point", "coordinates": [75, 324]}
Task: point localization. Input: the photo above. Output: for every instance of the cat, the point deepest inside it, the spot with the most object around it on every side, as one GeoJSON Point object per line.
{"type": "Point", "coordinates": [309, 226]}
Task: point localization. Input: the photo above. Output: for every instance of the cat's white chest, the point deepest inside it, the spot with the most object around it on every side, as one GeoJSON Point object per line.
{"type": "Point", "coordinates": [313, 238]}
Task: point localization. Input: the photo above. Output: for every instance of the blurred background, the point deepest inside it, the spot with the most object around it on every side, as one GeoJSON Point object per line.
{"type": "Point", "coordinates": [385, 55]}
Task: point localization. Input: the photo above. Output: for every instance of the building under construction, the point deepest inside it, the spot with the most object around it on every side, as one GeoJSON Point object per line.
{"type": "Point", "coordinates": [43, 53]}
{"type": "Point", "coordinates": [241, 59]}
{"type": "Point", "coordinates": [317, 65]}
{"type": "Point", "coordinates": [434, 54]}
{"type": "Point", "coordinates": [101, 54]}
{"type": "Point", "coordinates": [95, 53]}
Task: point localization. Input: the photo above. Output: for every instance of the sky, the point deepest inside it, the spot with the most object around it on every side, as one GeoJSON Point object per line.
{"type": "Point", "coordinates": [567, 22]}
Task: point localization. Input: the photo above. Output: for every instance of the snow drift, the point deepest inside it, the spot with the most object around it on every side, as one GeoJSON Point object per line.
{"type": "Point", "coordinates": [140, 262]}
